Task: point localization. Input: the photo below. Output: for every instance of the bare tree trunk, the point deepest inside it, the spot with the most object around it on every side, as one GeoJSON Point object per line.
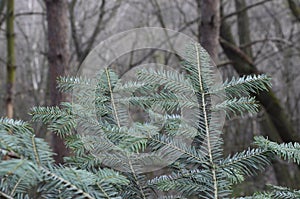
{"type": "Point", "coordinates": [210, 26]}
{"type": "Point", "coordinates": [243, 26]}
{"type": "Point", "coordinates": [58, 58]}
{"type": "Point", "coordinates": [11, 60]}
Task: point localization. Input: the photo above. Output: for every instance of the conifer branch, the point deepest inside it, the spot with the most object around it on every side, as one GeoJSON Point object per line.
{"type": "Point", "coordinates": [204, 109]}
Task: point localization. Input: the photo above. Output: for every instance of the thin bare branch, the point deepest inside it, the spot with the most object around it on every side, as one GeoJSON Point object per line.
{"type": "Point", "coordinates": [225, 63]}
{"type": "Point", "coordinates": [244, 9]}
{"type": "Point", "coordinates": [29, 13]}
{"type": "Point", "coordinates": [237, 51]}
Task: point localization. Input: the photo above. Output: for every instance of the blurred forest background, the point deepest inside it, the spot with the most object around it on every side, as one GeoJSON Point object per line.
{"type": "Point", "coordinates": [43, 39]}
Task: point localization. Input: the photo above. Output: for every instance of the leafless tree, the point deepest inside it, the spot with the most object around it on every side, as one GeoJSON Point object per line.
{"type": "Point", "coordinates": [58, 57]}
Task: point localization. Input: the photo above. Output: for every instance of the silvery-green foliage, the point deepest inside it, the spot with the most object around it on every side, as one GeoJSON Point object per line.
{"type": "Point", "coordinates": [105, 141]}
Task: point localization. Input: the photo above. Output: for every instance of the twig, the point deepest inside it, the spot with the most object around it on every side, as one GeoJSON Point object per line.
{"type": "Point", "coordinates": [244, 9]}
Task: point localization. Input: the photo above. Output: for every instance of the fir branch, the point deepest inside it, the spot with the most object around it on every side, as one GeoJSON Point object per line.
{"type": "Point", "coordinates": [172, 197]}
{"type": "Point", "coordinates": [171, 80]}
{"type": "Point", "coordinates": [186, 187]}
{"type": "Point", "coordinates": [67, 84]}
{"type": "Point", "coordinates": [277, 192]}
{"type": "Point", "coordinates": [130, 87]}
{"type": "Point", "coordinates": [247, 162]}
{"type": "Point", "coordinates": [287, 151]}
{"type": "Point", "coordinates": [115, 112]}
{"type": "Point", "coordinates": [35, 150]}
{"type": "Point", "coordinates": [61, 121]}
{"type": "Point", "coordinates": [189, 152]}
{"type": "Point", "coordinates": [66, 184]}
{"type": "Point", "coordinates": [25, 144]}
{"type": "Point", "coordinates": [237, 106]}
{"type": "Point", "coordinates": [5, 195]}
{"type": "Point", "coordinates": [170, 102]}
{"type": "Point", "coordinates": [283, 192]}
{"type": "Point", "coordinates": [186, 182]}
{"type": "Point", "coordinates": [167, 97]}
{"type": "Point", "coordinates": [12, 125]}
{"type": "Point", "coordinates": [243, 86]}
{"type": "Point", "coordinates": [205, 114]}
{"type": "Point", "coordinates": [18, 175]}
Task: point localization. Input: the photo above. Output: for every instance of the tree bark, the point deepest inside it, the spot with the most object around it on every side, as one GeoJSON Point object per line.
{"type": "Point", "coordinates": [243, 26]}
{"type": "Point", "coordinates": [11, 59]}
{"type": "Point", "coordinates": [210, 26]}
{"type": "Point", "coordinates": [58, 58]}
{"type": "Point", "coordinates": [295, 9]}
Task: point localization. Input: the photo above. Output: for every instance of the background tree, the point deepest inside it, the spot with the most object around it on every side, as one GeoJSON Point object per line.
{"type": "Point", "coordinates": [11, 60]}
{"type": "Point", "coordinates": [58, 57]}
{"type": "Point", "coordinates": [210, 26]}
{"type": "Point", "coordinates": [103, 11]}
